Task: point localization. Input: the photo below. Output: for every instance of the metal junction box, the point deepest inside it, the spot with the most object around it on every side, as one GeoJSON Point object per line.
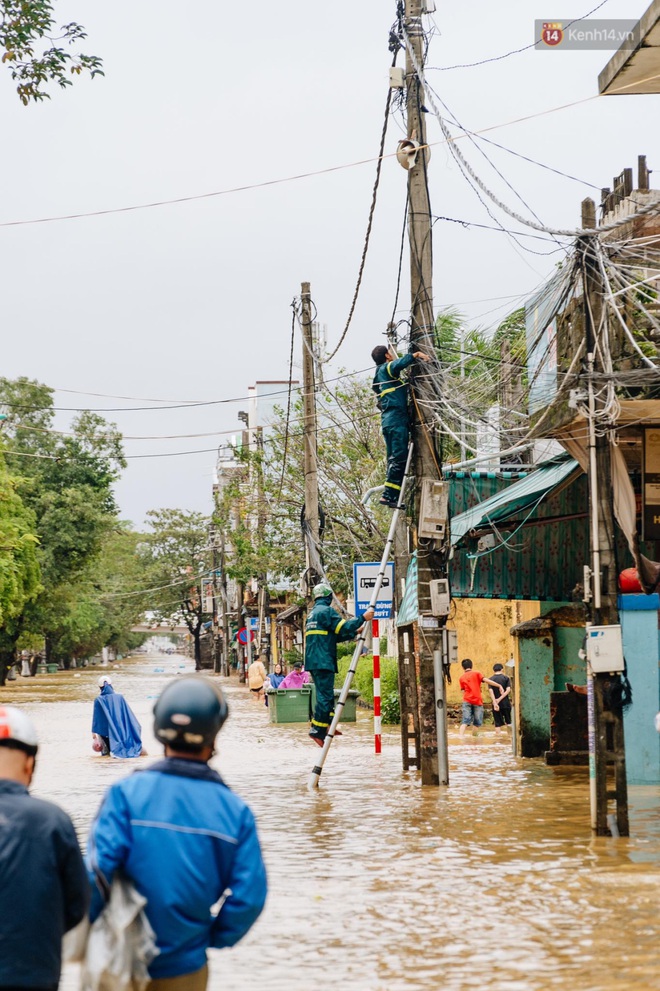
{"type": "Point", "coordinates": [433, 510]}
{"type": "Point", "coordinates": [605, 649]}
{"type": "Point", "coordinates": [440, 596]}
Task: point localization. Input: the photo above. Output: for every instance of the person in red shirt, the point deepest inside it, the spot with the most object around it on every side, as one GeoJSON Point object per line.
{"type": "Point", "coordinates": [473, 706]}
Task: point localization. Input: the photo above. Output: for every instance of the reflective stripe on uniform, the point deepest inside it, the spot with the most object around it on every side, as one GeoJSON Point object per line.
{"type": "Point", "coordinates": [391, 485]}
{"type": "Point", "coordinates": [315, 722]}
{"type": "Point", "coordinates": [389, 365]}
{"type": "Point", "coordinates": [339, 625]}
{"type": "Point", "coordinates": [318, 633]}
{"type": "Point", "coordinates": [384, 392]}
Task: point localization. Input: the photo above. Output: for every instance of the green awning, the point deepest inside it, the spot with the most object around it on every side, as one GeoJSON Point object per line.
{"type": "Point", "coordinates": [519, 497]}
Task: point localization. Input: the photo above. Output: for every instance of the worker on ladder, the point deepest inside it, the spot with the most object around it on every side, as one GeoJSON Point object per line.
{"type": "Point", "coordinates": [392, 398]}
{"type": "Point", "coordinates": [324, 629]}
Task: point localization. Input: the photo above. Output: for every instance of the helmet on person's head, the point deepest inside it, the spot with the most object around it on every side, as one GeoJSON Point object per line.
{"type": "Point", "coordinates": [17, 730]}
{"type": "Point", "coordinates": [321, 590]}
{"type": "Point", "coordinates": [189, 713]}
{"type": "Point", "coordinates": [104, 680]}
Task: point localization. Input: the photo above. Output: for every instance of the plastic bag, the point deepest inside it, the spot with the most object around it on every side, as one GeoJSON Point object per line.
{"type": "Point", "coordinates": [121, 943]}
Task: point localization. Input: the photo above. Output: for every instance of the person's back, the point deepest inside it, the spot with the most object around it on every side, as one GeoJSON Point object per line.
{"type": "Point", "coordinates": [184, 839]}
{"type": "Point", "coordinates": [256, 676]}
{"type": "Point", "coordinates": [43, 884]}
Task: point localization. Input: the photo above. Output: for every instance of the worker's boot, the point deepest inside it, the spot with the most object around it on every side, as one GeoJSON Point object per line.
{"type": "Point", "coordinates": [318, 733]}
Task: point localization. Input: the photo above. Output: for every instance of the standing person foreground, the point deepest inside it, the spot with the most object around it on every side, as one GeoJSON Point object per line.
{"type": "Point", "coordinates": [324, 629]}
{"type": "Point", "coordinates": [184, 839]}
{"type": "Point", "coordinates": [392, 399]}
{"type": "Point", "coordinates": [43, 885]}
{"type": "Point", "coordinates": [473, 707]}
{"type": "Point", "coordinates": [501, 699]}
{"type": "Point", "coordinates": [114, 725]}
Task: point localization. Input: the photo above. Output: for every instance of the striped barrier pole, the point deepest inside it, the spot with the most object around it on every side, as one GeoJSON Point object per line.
{"type": "Point", "coordinates": [376, 650]}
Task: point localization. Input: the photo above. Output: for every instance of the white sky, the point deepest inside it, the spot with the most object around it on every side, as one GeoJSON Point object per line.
{"type": "Point", "coordinates": [192, 301]}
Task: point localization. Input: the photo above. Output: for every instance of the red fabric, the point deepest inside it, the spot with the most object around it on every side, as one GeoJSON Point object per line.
{"type": "Point", "coordinates": [470, 683]}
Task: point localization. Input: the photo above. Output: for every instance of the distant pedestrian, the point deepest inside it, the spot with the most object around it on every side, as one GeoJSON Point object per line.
{"type": "Point", "coordinates": [256, 677]}
{"type": "Point", "coordinates": [473, 706]}
{"type": "Point", "coordinates": [501, 698]}
{"type": "Point", "coordinates": [184, 839]}
{"type": "Point", "coordinates": [273, 680]}
{"type": "Point", "coordinates": [114, 723]}
{"type": "Point", "coordinates": [43, 884]}
{"type": "Point", "coordinates": [296, 678]}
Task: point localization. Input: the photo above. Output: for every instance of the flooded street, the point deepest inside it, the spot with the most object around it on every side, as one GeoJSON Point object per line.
{"type": "Point", "coordinates": [494, 883]}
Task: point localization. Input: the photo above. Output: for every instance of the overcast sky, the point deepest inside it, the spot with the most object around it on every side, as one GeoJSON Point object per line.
{"type": "Point", "coordinates": [192, 301]}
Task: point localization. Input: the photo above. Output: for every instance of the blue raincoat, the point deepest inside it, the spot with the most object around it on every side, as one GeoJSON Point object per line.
{"type": "Point", "coordinates": [114, 719]}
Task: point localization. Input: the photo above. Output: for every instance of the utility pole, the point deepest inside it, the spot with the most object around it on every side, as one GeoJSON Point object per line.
{"type": "Point", "coordinates": [225, 610]}
{"type": "Point", "coordinates": [263, 643]}
{"type": "Point", "coordinates": [309, 429]}
{"type": "Point", "coordinates": [215, 626]}
{"type": "Point", "coordinates": [430, 561]}
{"type": "Point", "coordinates": [606, 739]}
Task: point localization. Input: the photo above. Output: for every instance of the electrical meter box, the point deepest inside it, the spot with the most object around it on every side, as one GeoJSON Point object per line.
{"type": "Point", "coordinates": [440, 597]}
{"type": "Point", "coordinates": [397, 78]}
{"type": "Point", "coordinates": [450, 645]}
{"type": "Point", "coordinates": [605, 649]}
{"type": "Point", "coordinates": [433, 510]}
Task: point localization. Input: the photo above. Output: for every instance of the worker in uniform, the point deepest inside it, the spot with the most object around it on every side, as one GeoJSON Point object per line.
{"type": "Point", "coordinates": [392, 397]}
{"type": "Point", "coordinates": [324, 629]}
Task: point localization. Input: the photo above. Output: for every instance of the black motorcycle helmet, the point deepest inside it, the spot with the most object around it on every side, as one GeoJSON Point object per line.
{"type": "Point", "coordinates": [189, 714]}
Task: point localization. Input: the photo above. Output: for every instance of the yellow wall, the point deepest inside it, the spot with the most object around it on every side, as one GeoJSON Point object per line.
{"type": "Point", "coordinates": [483, 634]}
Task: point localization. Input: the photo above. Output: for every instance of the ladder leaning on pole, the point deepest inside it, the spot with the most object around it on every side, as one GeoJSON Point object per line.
{"type": "Point", "coordinates": [343, 695]}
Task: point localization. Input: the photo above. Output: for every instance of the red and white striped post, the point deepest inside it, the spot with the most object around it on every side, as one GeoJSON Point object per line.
{"type": "Point", "coordinates": [376, 651]}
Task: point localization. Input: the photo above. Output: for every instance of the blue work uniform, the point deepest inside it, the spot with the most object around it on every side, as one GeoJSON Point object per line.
{"type": "Point", "coordinates": [190, 846]}
{"type": "Point", "coordinates": [324, 629]}
{"type": "Point", "coordinates": [392, 393]}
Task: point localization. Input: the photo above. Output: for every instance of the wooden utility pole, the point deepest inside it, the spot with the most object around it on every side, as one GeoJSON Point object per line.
{"type": "Point", "coordinates": [422, 339]}
{"type": "Point", "coordinates": [309, 429]}
{"type": "Point", "coordinates": [606, 743]}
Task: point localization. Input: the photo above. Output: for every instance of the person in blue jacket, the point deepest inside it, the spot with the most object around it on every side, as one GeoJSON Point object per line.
{"type": "Point", "coordinates": [392, 397]}
{"type": "Point", "coordinates": [114, 722]}
{"type": "Point", "coordinates": [324, 629]}
{"type": "Point", "coordinates": [44, 890]}
{"type": "Point", "coordinates": [186, 841]}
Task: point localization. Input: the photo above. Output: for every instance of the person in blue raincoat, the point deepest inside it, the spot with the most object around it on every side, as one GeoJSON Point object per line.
{"type": "Point", "coordinates": [114, 722]}
{"type": "Point", "coordinates": [392, 397]}
{"type": "Point", "coordinates": [324, 629]}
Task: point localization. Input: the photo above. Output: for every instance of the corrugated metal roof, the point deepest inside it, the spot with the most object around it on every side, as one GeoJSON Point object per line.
{"type": "Point", "coordinates": [520, 495]}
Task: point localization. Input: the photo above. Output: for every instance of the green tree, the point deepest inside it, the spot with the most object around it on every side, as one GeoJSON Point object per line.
{"type": "Point", "coordinates": [19, 567]}
{"type": "Point", "coordinates": [66, 481]}
{"type": "Point", "coordinates": [37, 52]}
{"type": "Point", "coordinates": [180, 556]}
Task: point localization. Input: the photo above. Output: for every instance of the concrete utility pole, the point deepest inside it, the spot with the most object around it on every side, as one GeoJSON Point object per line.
{"type": "Point", "coordinates": [309, 429]}
{"type": "Point", "coordinates": [606, 740]}
{"type": "Point", "coordinates": [430, 565]}
{"type": "Point", "coordinates": [215, 626]}
{"type": "Point", "coordinates": [225, 610]}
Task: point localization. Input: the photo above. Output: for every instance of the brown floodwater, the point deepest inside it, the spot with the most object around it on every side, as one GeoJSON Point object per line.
{"type": "Point", "coordinates": [494, 883]}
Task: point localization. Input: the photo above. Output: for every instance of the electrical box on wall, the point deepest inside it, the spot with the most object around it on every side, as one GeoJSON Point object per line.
{"type": "Point", "coordinates": [397, 77]}
{"type": "Point", "coordinates": [605, 649]}
{"type": "Point", "coordinates": [450, 646]}
{"type": "Point", "coordinates": [433, 510]}
{"type": "Point", "coordinates": [440, 597]}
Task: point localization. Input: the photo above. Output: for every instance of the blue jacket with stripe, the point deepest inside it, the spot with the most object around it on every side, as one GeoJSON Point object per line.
{"type": "Point", "coordinates": [185, 840]}
{"type": "Point", "coordinates": [324, 629]}
{"type": "Point", "coordinates": [390, 388]}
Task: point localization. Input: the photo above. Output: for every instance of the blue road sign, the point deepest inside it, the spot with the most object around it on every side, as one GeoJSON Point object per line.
{"type": "Point", "coordinates": [364, 582]}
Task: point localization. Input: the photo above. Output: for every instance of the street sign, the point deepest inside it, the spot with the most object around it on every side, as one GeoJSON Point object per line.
{"type": "Point", "coordinates": [364, 582]}
{"type": "Point", "coordinates": [242, 635]}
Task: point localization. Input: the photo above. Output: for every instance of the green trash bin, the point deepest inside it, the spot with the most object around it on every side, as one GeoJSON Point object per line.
{"type": "Point", "coordinates": [289, 705]}
{"type": "Point", "coordinates": [52, 668]}
{"type": "Point", "coordinates": [349, 714]}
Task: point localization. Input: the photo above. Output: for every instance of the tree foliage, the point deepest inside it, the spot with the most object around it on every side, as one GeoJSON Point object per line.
{"type": "Point", "coordinates": [37, 52]}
